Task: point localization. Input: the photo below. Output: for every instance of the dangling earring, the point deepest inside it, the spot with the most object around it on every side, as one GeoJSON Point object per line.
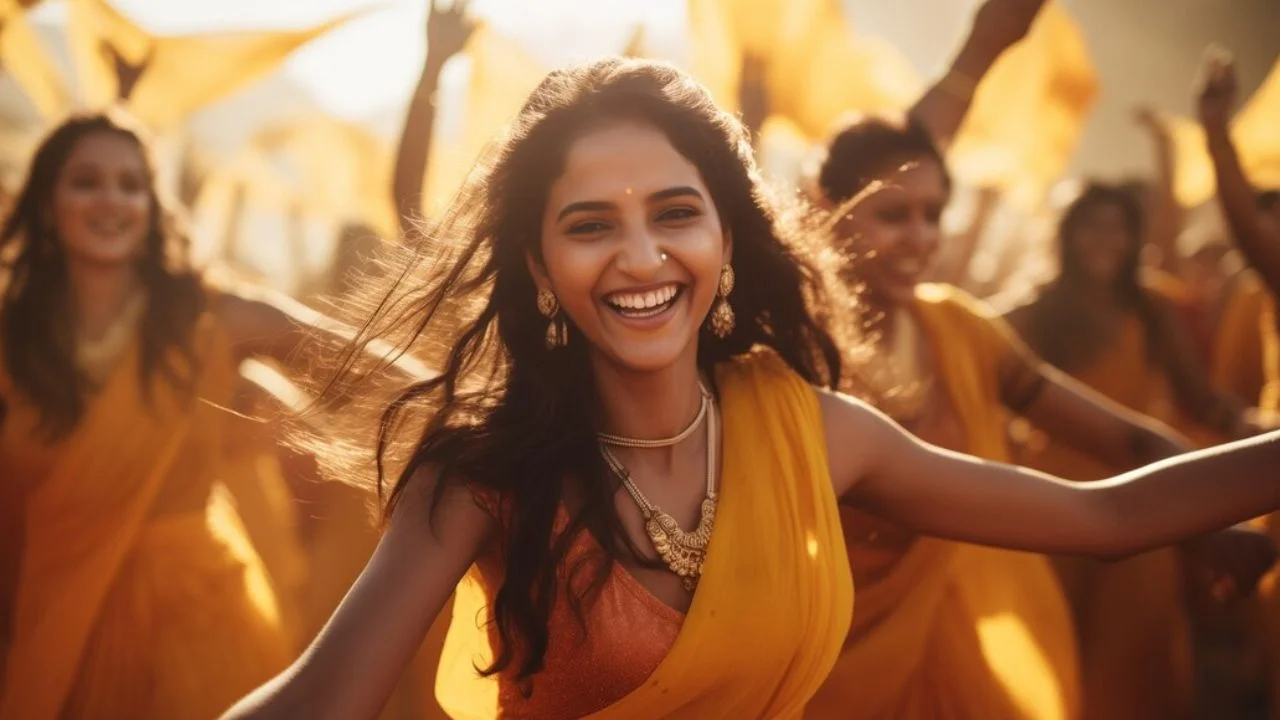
{"type": "Point", "coordinates": [722, 319]}
{"type": "Point", "coordinates": [557, 329]}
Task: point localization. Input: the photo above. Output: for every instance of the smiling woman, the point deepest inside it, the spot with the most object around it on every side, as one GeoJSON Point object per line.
{"type": "Point", "coordinates": [640, 517]}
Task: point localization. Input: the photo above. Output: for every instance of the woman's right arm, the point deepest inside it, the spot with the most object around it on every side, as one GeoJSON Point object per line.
{"type": "Point", "coordinates": [997, 25]}
{"type": "Point", "coordinates": [351, 669]}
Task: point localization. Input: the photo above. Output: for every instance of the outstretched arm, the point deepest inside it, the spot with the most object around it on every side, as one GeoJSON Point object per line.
{"type": "Point", "coordinates": [447, 32]}
{"type": "Point", "coordinates": [937, 492]}
{"type": "Point", "coordinates": [1072, 412]}
{"type": "Point", "coordinates": [1165, 215]}
{"type": "Point", "coordinates": [997, 25]}
{"type": "Point", "coordinates": [353, 666]}
{"type": "Point", "coordinates": [267, 324]}
{"type": "Point", "coordinates": [1259, 241]}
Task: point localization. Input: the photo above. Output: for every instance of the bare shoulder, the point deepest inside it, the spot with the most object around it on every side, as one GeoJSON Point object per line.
{"type": "Point", "coordinates": [855, 434]}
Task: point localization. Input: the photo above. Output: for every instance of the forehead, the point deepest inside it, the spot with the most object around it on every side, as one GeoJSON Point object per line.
{"type": "Point", "coordinates": [621, 159]}
{"type": "Point", "coordinates": [105, 150]}
{"type": "Point", "coordinates": [917, 177]}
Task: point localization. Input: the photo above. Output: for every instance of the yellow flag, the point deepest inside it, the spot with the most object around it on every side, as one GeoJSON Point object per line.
{"type": "Point", "coordinates": [820, 70]}
{"type": "Point", "coordinates": [503, 73]}
{"type": "Point", "coordinates": [94, 28]}
{"type": "Point", "coordinates": [24, 59]}
{"type": "Point", "coordinates": [716, 54]}
{"type": "Point", "coordinates": [338, 169]}
{"type": "Point", "coordinates": [181, 73]}
{"type": "Point", "coordinates": [1029, 111]}
{"type": "Point", "coordinates": [816, 69]}
{"type": "Point", "coordinates": [1256, 134]}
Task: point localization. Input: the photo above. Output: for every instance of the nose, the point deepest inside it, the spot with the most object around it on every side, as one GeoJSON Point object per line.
{"type": "Point", "coordinates": [640, 254]}
{"type": "Point", "coordinates": [923, 236]}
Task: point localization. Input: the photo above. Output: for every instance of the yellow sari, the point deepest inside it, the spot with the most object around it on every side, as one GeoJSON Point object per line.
{"type": "Point", "coordinates": [958, 631]}
{"type": "Point", "coordinates": [254, 477]}
{"type": "Point", "coordinates": [1135, 642]}
{"type": "Point", "coordinates": [775, 598]}
{"type": "Point", "coordinates": [1246, 359]}
{"type": "Point", "coordinates": [125, 609]}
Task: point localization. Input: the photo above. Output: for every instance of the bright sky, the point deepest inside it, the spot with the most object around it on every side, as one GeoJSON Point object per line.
{"type": "Point", "coordinates": [371, 63]}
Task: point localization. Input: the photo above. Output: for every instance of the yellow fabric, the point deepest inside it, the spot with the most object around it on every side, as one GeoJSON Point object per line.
{"type": "Point", "coordinates": [183, 73]}
{"type": "Point", "coordinates": [123, 610]}
{"type": "Point", "coordinates": [819, 70]}
{"type": "Point", "coordinates": [816, 68]}
{"type": "Point", "coordinates": [252, 474]}
{"type": "Point", "coordinates": [24, 58]}
{"type": "Point", "coordinates": [1255, 138]}
{"type": "Point", "coordinates": [1246, 358]}
{"type": "Point", "coordinates": [1029, 111]}
{"type": "Point", "coordinates": [503, 74]}
{"type": "Point", "coordinates": [956, 631]}
{"type": "Point", "coordinates": [1132, 620]}
{"type": "Point", "coordinates": [775, 598]}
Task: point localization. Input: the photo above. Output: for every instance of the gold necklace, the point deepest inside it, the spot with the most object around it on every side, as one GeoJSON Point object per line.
{"type": "Point", "coordinates": [96, 358]}
{"type": "Point", "coordinates": [683, 552]}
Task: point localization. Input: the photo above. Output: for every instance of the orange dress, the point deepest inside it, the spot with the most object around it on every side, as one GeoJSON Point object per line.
{"type": "Point", "coordinates": [769, 615]}
{"type": "Point", "coordinates": [129, 605]}
{"type": "Point", "coordinates": [955, 631]}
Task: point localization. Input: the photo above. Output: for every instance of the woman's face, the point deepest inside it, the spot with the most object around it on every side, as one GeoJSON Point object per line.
{"type": "Point", "coordinates": [632, 246]}
{"type": "Point", "coordinates": [896, 227]}
{"type": "Point", "coordinates": [1102, 242]}
{"type": "Point", "coordinates": [102, 201]}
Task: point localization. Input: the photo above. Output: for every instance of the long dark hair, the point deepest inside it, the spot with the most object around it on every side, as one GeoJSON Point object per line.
{"type": "Point", "coordinates": [515, 421]}
{"type": "Point", "coordinates": [1061, 332]}
{"type": "Point", "coordinates": [36, 324]}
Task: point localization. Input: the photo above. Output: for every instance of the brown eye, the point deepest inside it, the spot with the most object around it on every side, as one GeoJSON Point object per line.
{"type": "Point", "coordinates": [588, 227]}
{"type": "Point", "coordinates": [892, 214]}
{"type": "Point", "coordinates": [677, 214]}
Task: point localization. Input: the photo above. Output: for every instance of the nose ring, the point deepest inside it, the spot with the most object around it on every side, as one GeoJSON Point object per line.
{"type": "Point", "coordinates": [663, 257]}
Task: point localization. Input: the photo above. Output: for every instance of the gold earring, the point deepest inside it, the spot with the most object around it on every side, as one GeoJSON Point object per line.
{"type": "Point", "coordinates": [557, 330]}
{"type": "Point", "coordinates": [722, 320]}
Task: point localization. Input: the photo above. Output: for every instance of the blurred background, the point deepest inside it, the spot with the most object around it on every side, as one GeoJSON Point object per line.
{"type": "Point", "coordinates": [242, 94]}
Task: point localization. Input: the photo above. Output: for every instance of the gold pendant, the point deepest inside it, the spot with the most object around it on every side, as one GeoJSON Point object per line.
{"type": "Point", "coordinates": [683, 552]}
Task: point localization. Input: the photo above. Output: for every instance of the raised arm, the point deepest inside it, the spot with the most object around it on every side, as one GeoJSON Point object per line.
{"type": "Point", "coordinates": [1164, 214]}
{"type": "Point", "coordinates": [997, 25]}
{"type": "Point", "coordinates": [447, 32]}
{"type": "Point", "coordinates": [352, 668]}
{"type": "Point", "coordinates": [880, 467]}
{"type": "Point", "coordinates": [1259, 241]}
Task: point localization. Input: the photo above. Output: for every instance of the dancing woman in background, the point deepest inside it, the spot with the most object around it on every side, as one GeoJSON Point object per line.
{"type": "Point", "coordinates": [124, 591]}
{"type": "Point", "coordinates": [630, 465]}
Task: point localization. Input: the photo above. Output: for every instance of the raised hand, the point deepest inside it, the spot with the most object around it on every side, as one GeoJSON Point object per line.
{"type": "Point", "coordinates": [1148, 119]}
{"type": "Point", "coordinates": [1216, 88]}
{"type": "Point", "coordinates": [1001, 23]}
{"type": "Point", "coordinates": [448, 29]}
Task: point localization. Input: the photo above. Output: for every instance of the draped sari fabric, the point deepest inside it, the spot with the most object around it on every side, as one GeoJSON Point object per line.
{"type": "Point", "coordinates": [957, 631]}
{"type": "Point", "coordinates": [775, 598]}
{"type": "Point", "coordinates": [129, 606]}
{"type": "Point", "coordinates": [1135, 642]}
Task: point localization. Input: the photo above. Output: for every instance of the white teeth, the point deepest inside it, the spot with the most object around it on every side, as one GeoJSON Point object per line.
{"type": "Point", "coordinates": [643, 301]}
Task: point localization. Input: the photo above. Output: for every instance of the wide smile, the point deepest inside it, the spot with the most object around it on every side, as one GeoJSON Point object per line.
{"type": "Point", "coordinates": [651, 304]}
{"type": "Point", "coordinates": [905, 269]}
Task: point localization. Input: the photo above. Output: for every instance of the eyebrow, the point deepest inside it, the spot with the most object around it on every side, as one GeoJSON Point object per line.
{"type": "Point", "coordinates": [597, 205]}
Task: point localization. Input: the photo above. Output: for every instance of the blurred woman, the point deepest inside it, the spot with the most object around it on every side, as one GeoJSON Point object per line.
{"type": "Point", "coordinates": [989, 633]}
{"type": "Point", "coordinates": [129, 587]}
